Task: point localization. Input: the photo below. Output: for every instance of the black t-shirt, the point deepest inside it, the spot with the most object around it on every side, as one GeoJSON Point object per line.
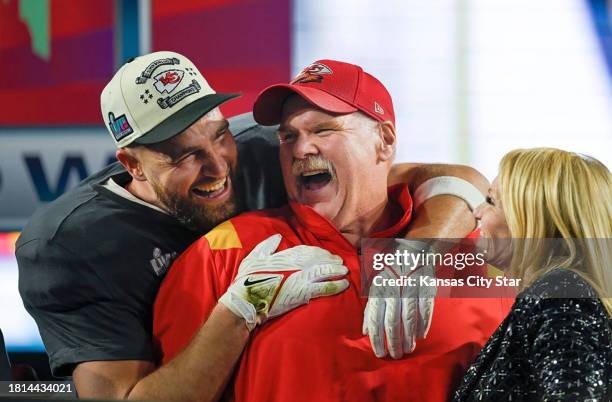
{"type": "Point", "coordinates": [91, 262]}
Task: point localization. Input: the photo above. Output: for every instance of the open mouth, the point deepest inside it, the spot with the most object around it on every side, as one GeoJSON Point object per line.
{"type": "Point", "coordinates": [213, 190]}
{"type": "Point", "coordinates": [315, 179]}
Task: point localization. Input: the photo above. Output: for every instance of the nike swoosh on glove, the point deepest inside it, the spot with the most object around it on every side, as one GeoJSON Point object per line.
{"type": "Point", "coordinates": [269, 284]}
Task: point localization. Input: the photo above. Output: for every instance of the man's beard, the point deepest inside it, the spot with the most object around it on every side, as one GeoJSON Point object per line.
{"type": "Point", "coordinates": [201, 218]}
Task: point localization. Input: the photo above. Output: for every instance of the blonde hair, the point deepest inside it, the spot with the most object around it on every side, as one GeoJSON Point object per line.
{"type": "Point", "coordinates": [548, 193]}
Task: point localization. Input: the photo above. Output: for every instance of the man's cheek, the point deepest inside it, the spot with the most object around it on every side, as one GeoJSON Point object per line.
{"type": "Point", "coordinates": [291, 186]}
{"type": "Point", "coordinates": [288, 177]}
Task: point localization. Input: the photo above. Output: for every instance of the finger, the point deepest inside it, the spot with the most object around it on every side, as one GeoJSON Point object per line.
{"type": "Point", "coordinates": [312, 249]}
{"type": "Point", "coordinates": [376, 327]}
{"type": "Point", "coordinates": [323, 272]}
{"type": "Point", "coordinates": [319, 252]}
{"type": "Point", "coordinates": [426, 305]}
{"type": "Point", "coordinates": [428, 291]}
{"type": "Point", "coordinates": [409, 323]}
{"type": "Point", "coordinates": [329, 260]}
{"type": "Point", "coordinates": [262, 264]}
{"type": "Point", "coordinates": [266, 247]}
{"type": "Point", "coordinates": [305, 253]}
{"type": "Point", "coordinates": [366, 314]}
{"type": "Point", "coordinates": [425, 316]}
{"type": "Point", "coordinates": [392, 327]}
{"type": "Point", "coordinates": [329, 288]}
{"type": "Point", "coordinates": [278, 263]}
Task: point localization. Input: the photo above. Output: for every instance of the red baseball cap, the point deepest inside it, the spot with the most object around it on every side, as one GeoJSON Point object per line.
{"type": "Point", "coordinates": [333, 86]}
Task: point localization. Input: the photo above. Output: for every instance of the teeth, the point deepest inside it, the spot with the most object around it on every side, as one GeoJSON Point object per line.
{"type": "Point", "coordinates": [314, 172]}
{"type": "Point", "coordinates": [213, 187]}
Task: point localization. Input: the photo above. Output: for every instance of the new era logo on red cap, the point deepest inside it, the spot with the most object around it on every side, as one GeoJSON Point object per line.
{"type": "Point", "coordinates": [331, 85]}
{"type": "Point", "coordinates": [378, 109]}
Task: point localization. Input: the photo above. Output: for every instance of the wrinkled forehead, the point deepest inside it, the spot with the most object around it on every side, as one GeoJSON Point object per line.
{"type": "Point", "coordinates": [296, 106]}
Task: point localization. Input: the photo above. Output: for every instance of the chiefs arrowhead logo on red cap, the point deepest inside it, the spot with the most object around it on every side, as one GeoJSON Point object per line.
{"type": "Point", "coordinates": [312, 73]}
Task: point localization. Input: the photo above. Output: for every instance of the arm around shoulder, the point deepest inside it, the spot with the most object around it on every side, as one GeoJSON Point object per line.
{"type": "Point", "coordinates": [444, 215]}
{"type": "Point", "coordinates": [416, 174]}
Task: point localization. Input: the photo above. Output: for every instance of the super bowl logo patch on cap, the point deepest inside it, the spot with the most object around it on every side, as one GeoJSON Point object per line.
{"type": "Point", "coordinates": [119, 126]}
{"type": "Point", "coordinates": [168, 80]}
{"type": "Point", "coordinates": [312, 73]}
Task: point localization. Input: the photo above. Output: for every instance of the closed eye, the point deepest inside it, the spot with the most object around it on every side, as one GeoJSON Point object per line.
{"type": "Point", "coordinates": [187, 155]}
{"type": "Point", "coordinates": [324, 131]}
{"type": "Point", "coordinates": [222, 133]}
{"type": "Point", "coordinates": [184, 158]}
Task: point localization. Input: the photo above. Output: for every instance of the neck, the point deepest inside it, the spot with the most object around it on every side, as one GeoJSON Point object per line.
{"type": "Point", "coordinates": [144, 191]}
{"type": "Point", "coordinates": [382, 215]}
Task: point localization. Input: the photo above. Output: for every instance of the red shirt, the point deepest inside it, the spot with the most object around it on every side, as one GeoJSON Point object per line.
{"type": "Point", "coordinates": [317, 352]}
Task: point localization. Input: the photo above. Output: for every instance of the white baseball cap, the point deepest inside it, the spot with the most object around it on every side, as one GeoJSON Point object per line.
{"type": "Point", "coordinates": [154, 97]}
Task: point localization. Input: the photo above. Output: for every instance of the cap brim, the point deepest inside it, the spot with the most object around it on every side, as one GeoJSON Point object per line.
{"type": "Point", "coordinates": [181, 120]}
{"type": "Point", "coordinates": [268, 107]}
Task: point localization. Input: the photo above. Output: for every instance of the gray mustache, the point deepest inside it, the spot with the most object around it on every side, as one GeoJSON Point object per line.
{"type": "Point", "coordinates": [314, 162]}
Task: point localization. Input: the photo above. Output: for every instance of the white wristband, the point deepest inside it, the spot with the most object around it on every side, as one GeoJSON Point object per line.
{"type": "Point", "coordinates": [448, 185]}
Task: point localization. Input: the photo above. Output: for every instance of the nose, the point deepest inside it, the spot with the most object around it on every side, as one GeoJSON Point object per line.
{"type": "Point", "coordinates": [214, 165]}
{"type": "Point", "coordinates": [479, 210]}
{"type": "Point", "coordinates": [303, 146]}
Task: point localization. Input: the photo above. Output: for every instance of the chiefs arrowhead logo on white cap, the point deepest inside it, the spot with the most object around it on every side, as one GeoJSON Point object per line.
{"type": "Point", "coordinates": [168, 80]}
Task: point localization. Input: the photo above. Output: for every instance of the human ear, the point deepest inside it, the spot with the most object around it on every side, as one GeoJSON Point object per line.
{"type": "Point", "coordinates": [129, 159]}
{"type": "Point", "coordinates": [387, 135]}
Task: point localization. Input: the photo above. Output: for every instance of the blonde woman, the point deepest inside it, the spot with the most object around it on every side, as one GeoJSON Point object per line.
{"type": "Point", "coordinates": [548, 220]}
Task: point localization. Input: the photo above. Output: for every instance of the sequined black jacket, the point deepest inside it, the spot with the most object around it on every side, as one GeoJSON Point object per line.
{"type": "Point", "coordinates": [548, 348]}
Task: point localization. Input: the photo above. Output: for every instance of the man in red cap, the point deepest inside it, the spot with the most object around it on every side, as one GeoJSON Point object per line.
{"type": "Point", "coordinates": [338, 140]}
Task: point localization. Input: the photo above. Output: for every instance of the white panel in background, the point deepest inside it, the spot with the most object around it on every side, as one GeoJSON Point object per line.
{"type": "Point", "coordinates": [472, 79]}
{"type": "Point", "coordinates": [19, 329]}
{"type": "Point", "coordinates": [36, 164]}
{"type": "Point", "coordinates": [407, 44]}
{"type": "Point", "coordinates": [537, 78]}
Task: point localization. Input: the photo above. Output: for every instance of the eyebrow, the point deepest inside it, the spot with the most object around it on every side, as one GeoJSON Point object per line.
{"type": "Point", "coordinates": [331, 124]}
{"type": "Point", "coordinates": [175, 154]}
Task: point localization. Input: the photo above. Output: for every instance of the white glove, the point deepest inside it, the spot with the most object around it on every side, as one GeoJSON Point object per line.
{"type": "Point", "coordinates": [268, 285]}
{"type": "Point", "coordinates": [401, 313]}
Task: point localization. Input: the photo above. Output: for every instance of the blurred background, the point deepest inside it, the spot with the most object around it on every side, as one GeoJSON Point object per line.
{"type": "Point", "coordinates": [470, 79]}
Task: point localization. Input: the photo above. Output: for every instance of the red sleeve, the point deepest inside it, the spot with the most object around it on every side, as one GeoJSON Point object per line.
{"type": "Point", "coordinates": [186, 298]}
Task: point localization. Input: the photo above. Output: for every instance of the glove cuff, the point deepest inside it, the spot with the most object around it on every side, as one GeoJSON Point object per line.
{"type": "Point", "coordinates": [240, 308]}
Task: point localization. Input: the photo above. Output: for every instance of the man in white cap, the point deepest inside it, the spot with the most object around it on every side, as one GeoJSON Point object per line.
{"type": "Point", "coordinates": [92, 261]}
